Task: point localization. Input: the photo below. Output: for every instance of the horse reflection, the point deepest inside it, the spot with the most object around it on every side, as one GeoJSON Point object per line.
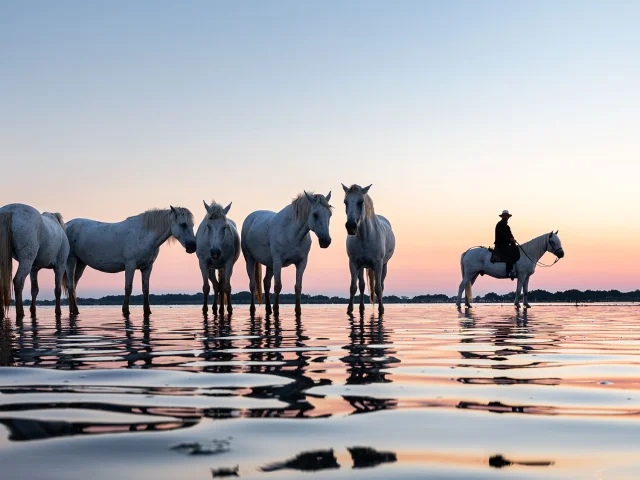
{"type": "Point", "coordinates": [368, 361]}
{"type": "Point", "coordinates": [21, 429]}
{"type": "Point", "coordinates": [316, 460]}
{"type": "Point", "coordinates": [369, 353]}
{"type": "Point", "coordinates": [511, 336]}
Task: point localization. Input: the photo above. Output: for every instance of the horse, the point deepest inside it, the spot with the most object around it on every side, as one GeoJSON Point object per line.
{"type": "Point", "coordinates": [477, 261]}
{"type": "Point", "coordinates": [278, 240]}
{"type": "Point", "coordinates": [35, 241]}
{"type": "Point", "coordinates": [370, 245]}
{"type": "Point", "coordinates": [130, 245]}
{"type": "Point", "coordinates": [217, 248]}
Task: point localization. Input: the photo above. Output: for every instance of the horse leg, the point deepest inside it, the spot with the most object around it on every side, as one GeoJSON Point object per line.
{"type": "Point", "coordinates": [251, 272]}
{"type": "Point", "coordinates": [129, 272]}
{"type": "Point", "coordinates": [206, 289]}
{"type": "Point", "coordinates": [80, 267]}
{"type": "Point", "coordinates": [58, 272]}
{"type": "Point", "coordinates": [228, 271]}
{"type": "Point", "coordinates": [300, 268]}
{"type": "Point", "coordinates": [267, 290]}
{"type": "Point", "coordinates": [221, 289]}
{"type": "Point", "coordinates": [216, 289]}
{"type": "Point", "coordinates": [361, 286]}
{"type": "Point", "coordinates": [277, 275]}
{"type": "Point", "coordinates": [525, 289]}
{"type": "Point", "coordinates": [378, 287]}
{"type": "Point", "coordinates": [353, 268]}
{"type": "Point", "coordinates": [146, 275]}
{"type": "Point", "coordinates": [24, 269]}
{"type": "Point", "coordinates": [516, 302]}
{"type": "Point", "coordinates": [463, 284]}
{"type": "Point", "coordinates": [34, 290]}
{"type": "Point", "coordinates": [384, 275]}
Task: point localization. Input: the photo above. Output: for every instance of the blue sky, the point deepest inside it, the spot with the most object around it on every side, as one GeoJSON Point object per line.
{"type": "Point", "coordinates": [109, 108]}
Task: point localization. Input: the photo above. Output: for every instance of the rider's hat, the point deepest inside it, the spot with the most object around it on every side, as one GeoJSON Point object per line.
{"type": "Point", "coordinates": [505, 213]}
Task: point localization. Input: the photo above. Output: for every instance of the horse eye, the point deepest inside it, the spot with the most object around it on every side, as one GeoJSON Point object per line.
{"type": "Point", "coordinates": [360, 203]}
{"type": "Point", "coordinates": [315, 215]}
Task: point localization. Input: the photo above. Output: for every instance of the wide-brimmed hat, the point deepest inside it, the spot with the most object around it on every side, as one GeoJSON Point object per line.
{"type": "Point", "coordinates": [505, 212]}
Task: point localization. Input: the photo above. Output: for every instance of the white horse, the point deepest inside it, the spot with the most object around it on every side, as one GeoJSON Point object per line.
{"type": "Point", "coordinates": [36, 241]}
{"type": "Point", "coordinates": [370, 245]}
{"type": "Point", "coordinates": [130, 245]}
{"type": "Point", "coordinates": [281, 239]}
{"type": "Point", "coordinates": [217, 248]}
{"type": "Point", "coordinates": [477, 261]}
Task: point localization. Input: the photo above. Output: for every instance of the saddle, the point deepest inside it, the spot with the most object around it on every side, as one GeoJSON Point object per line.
{"type": "Point", "coordinates": [495, 256]}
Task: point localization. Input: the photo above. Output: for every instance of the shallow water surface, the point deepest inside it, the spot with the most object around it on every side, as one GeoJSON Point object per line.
{"type": "Point", "coordinates": [425, 391]}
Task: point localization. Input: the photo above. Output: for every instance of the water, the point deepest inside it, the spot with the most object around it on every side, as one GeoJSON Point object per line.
{"type": "Point", "coordinates": [425, 392]}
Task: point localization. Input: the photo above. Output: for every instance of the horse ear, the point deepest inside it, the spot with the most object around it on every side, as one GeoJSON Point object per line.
{"type": "Point", "coordinates": [366, 189]}
{"type": "Point", "coordinates": [328, 197]}
{"type": "Point", "coordinates": [206, 207]}
{"type": "Point", "coordinates": [556, 232]}
{"type": "Point", "coordinates": [551, 234]}
{"type": "Point", "coordinates": [174, 210]}
{"type": "Point", "coordinates": [227, 208]}
{"type": "Point", "coordinates": [344, 188]}
{"type": "Point", "coordinates": [309, 197]}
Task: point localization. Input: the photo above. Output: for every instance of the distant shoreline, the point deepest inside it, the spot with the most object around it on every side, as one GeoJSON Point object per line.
{"type": "Point", "coordinates": [243, 298]}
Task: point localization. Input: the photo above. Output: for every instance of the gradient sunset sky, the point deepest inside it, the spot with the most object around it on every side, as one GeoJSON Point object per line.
{"type": "Point", "coordinates": [454, 111]}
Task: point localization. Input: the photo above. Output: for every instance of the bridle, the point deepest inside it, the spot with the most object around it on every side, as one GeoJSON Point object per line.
{"type": "Point", "coordinates": [539, 263]}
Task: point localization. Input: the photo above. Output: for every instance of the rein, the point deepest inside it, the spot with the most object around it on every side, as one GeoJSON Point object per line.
{"type": "Point", "coordinates": [538, 263]}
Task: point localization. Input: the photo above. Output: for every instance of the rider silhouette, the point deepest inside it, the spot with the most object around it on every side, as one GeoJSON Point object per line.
{"type": "Point", "coordinates": [506, 246]}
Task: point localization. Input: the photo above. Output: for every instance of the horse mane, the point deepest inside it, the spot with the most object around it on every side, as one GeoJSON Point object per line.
{"type": "Point", "coordinates": [536, 246]}
{"type": "Point", "coordinates": [368, 203]}
{"type": "Point", "coordinates": [301, 206]}
{"type": "Point", "coordinates": [216, 211]}
{"type": "Point", "coordinates": [159, 219]}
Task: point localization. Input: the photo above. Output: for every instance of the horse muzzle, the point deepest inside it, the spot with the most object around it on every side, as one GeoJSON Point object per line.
{"type": "Point", "coordinates": [191, 247]}
{"type": "Point", "coordinates": [215, 253]}
{"type": "Point", "coordinates": [324, 242]}
{"type": "Point", "coordinates": [352, 228]}
{"type": "Point", "coordinates": [560, 253]}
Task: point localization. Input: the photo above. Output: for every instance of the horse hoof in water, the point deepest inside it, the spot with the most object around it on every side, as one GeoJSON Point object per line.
{"type": "Point", "coordinates": [526, 305]}
{"type": "Point", "coordinates": [350, 310]}
{"type": "Point", "coordinates": [517, 305]}
{"type": "Point", "coordinates": [147, 312]}
{"type": "Point", "coordinates": [468, 305]}
{"type": "Point", "coordinates": [205, 310]}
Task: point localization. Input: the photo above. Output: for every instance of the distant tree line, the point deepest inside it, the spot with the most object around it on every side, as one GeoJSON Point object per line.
{"type": "Point", "coordinates": [540, 296]}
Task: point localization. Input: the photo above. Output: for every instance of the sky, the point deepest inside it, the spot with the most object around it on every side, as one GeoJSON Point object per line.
{"type": "Point", "coordinates": [454, 111]}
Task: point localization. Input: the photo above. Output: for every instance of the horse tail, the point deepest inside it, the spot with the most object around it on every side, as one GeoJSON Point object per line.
{"type": "Point", "coordinates": [258, 277]}
{"type": "Point", "coordinates": [65, 290]}
{"type": "Point", "coordinates": [468, 295]}
{"type": "Point", "coordinates": [58, 217]}
{"type": "Point", "coordinates": [371, 282]}
{"type": "Point", "coordinates": [6, 261]}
